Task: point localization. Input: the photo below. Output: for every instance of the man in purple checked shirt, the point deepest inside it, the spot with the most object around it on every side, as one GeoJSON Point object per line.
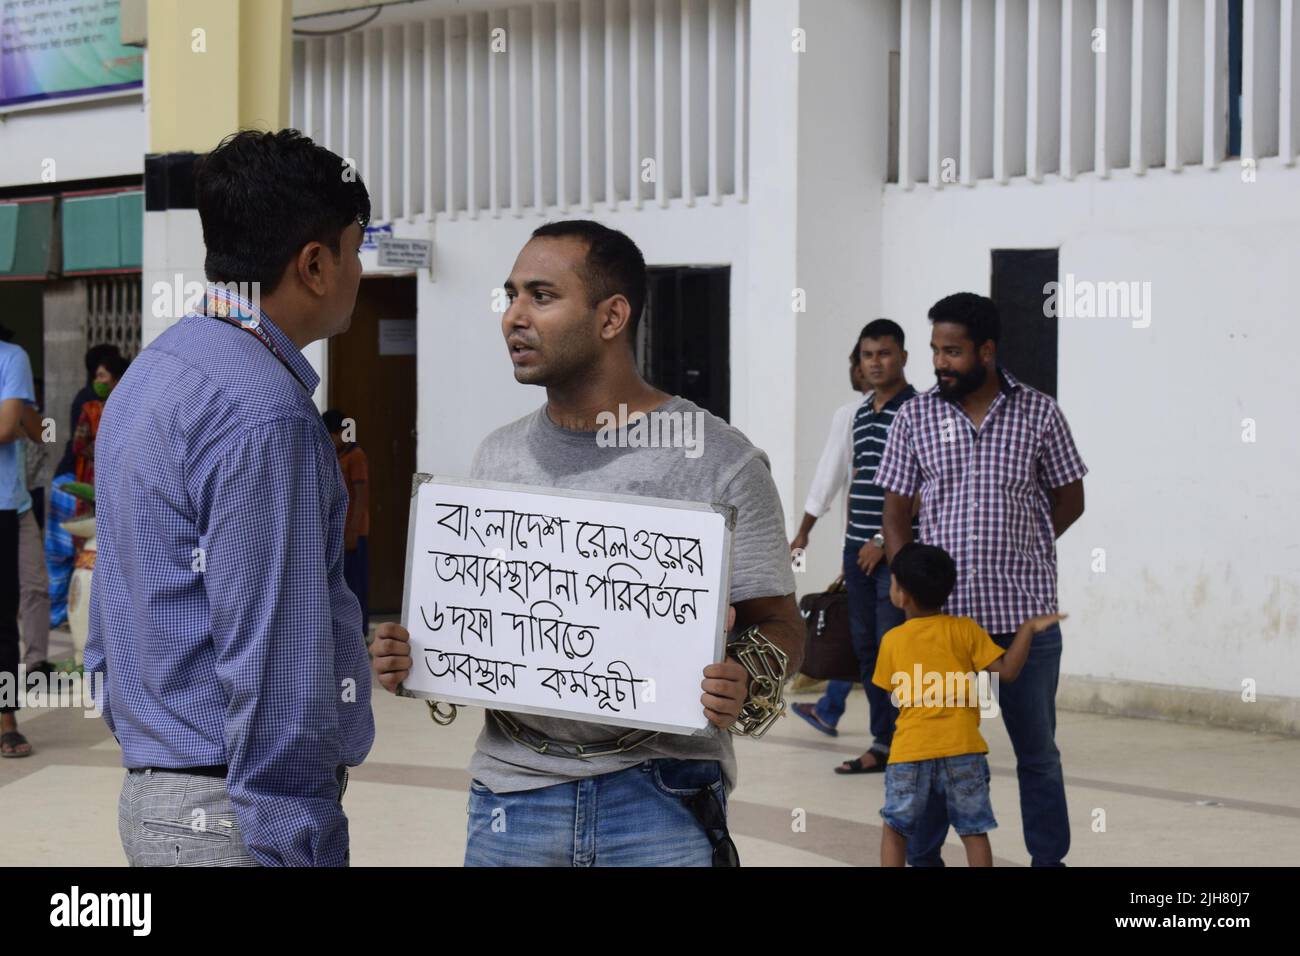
{"type": "Point", "coordinates": [235, 675]}
{"type": "Point", "coordinates": [1000, 480]}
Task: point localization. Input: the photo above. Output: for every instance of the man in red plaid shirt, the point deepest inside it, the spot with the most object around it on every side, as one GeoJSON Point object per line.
{"type": "Point", "coordinates": [1000, 480]}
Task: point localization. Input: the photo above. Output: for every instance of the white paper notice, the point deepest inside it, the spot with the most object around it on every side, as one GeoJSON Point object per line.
{"type": "Point", "coordinates": [397, 336]}
{"type": "Point", "coordinates": [601, 608]}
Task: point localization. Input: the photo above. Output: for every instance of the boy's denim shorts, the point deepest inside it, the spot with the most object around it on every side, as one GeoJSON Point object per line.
{"type": "Point", "coordinates": [962, 782]}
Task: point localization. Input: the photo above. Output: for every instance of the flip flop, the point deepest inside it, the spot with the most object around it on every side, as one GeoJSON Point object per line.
{"type": "Point", "coordinates": [13, 738]}
{"type": "Point", "coordinates": [809, 713]}
{"type": "Point", "coordinates": [855, 765]}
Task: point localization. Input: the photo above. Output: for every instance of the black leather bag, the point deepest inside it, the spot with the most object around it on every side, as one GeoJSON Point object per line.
{"type": "Point", "coordinates": [828, 650]}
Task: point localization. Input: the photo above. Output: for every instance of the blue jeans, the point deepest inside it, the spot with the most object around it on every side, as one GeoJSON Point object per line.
{"type": "Point", "coordinates": [633, 817]}
{"type": "Point", "coordinates": [1028, 706]}
{"type": "Point", "coordinates": [960, 783]}
{"type": "Point", "coordinates": [871, 615]}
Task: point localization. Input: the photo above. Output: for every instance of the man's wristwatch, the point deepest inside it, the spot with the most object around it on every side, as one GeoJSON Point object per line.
{"type": "Point", "coordinates": [878, 540]}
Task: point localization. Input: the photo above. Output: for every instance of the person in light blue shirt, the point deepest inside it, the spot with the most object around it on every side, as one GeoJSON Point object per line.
{"type": "Point", "coordinates": [235, 675]}
{"type": "Point", "coordinates": [16, 398]}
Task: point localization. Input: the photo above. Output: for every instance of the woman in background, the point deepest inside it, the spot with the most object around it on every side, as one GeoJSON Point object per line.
{"type": "Point", "coordinates": [107, 374]}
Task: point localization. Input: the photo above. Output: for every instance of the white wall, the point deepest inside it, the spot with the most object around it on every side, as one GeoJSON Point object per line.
{"type": "Point", "coordinates": [843, 109]}
{"type": "Point", "coordinates": [86, 141]}
{"type": "Point", "coordinates": [465, 379]}
{"type": "Point", "coordinates": [1200, 529]}
{"type": "Point", "coordinates": [466, 384]}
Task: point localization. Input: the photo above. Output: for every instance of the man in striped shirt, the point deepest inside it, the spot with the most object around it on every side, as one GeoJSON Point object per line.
{"type": "Point", "coordinates": [1000, 479]}
{"type": "Point", "coordinates": [882, 359]}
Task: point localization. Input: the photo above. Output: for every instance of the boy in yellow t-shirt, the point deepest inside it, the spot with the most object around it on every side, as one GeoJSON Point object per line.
{"type": "Point", "coordinates": [930, 663]}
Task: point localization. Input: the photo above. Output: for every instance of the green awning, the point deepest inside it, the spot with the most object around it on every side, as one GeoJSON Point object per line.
{"type": "Point", "coordinates": [25, 231]}
{"type": "Point", "coordinates": [104, 232]}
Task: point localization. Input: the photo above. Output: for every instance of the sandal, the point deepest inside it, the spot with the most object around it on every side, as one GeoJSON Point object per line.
{"type": "Point", "coordinates": [856, 766]}
{"type": "Point", "coordinates": [13, 739]}
{"type": "Point", "coordinates": [809, 713]}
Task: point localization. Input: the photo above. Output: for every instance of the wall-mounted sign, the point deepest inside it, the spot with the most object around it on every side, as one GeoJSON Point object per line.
{"type": "Point", "coordinates": [50, 49]}
{"type": "Point", "coordinates": [374, 233]}
{"type": "Point", "coordinates": [405, 253]}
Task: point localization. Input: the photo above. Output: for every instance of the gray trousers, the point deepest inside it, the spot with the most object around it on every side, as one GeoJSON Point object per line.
{"type": "Point", "coordinates": [33, 590]}
{"type": "Point", "coordinates": [181, 819]}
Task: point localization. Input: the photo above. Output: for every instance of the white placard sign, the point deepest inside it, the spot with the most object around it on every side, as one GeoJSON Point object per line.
{"type": "Point", "coordinates": [605, 608]}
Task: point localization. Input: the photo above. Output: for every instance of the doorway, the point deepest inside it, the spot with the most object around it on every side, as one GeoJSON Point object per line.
{"type": "Point", "coordinates": [372, 380]}
{"type": "Point", "coordinates": [683, 344]}
{"type": "Point", "coordinates": [1028, 347]}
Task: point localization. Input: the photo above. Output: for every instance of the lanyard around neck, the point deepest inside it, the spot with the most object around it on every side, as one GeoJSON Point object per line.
{"type": "Point", "coordinates": [257, 331]}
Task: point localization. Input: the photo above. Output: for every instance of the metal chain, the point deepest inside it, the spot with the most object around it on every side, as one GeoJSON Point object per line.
{"type": "Point", "coordinates": [442, 717]}
{"type": "Point", "coordinates": [766, 664]}
{"type": "Point", "coordinates": [545, 745]}
{"type": "Point", "coordinates": [563, 748]}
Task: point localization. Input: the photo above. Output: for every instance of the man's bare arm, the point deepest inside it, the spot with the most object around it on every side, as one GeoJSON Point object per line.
{"type": "Point", "coordinates": [800, 539]}
{"type": "Point", "coordinates": [33, 423]}
{"type": "Point", "coordinates": [778, 618]}
{"type": "Point", "coordinates": [1067, 506]}
{"type": "Point", "coordinates": [897, 522]}
{"type": "Point", "coordinates": [11, 420]}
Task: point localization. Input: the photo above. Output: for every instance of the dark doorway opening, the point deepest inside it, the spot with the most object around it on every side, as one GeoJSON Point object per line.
{"type": "Point", "coordinates": [1029, 336]}
{"type": "Point", "coordinates": [683, 344]}
{"type": "Point", "coordinates": [1236, 27]}
{"type": "Point", "coordinates": [372, 381]}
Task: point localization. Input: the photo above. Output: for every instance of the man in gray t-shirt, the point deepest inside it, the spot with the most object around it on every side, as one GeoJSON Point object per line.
{"type": "Point", "coordinates": [576, 291]}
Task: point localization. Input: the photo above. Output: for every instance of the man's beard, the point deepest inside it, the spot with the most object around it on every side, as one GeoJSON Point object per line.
{"type": "Point", "coordinates": [963, 383]}
{"type": "Point", "coordinates": [569, 360]}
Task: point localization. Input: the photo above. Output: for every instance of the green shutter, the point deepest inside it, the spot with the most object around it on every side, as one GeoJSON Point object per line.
{"type": "Point", "coordinates": [130, 225]}
{"type": "Point", "coordinates": [25, 231]}
{"type": "Point", "coordinates": [91, 237]}
{"type": "Point", "coordinates": [103, 232]}
{"type": "Point", "coordinates": [8, 236]}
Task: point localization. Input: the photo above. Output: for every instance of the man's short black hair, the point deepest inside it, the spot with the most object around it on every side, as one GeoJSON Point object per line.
{"type": "Point", "coordinates": [614, 264]}
{"type": "Point", "coordinates": [95, 356]}
{"type": "Point", "coordinates": [263, 196]}
{"type": "Point", "coordinates": [333, 419]}
{"type": "Point", "coordinates": [926, 572]}
{"type": "Point", "coordinates": [856, 355]}
{"type": "Point", "coordinates": [882, 328]}
{"type": "Point", "coordinates": [976, 312]}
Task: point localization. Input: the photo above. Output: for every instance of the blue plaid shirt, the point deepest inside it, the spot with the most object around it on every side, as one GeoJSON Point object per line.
{"type": "Point", "coordinates": [218, 615]}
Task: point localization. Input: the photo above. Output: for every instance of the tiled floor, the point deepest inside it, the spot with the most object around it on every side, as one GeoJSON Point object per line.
{"type": "Point", "coordinates": [1169, 794]}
